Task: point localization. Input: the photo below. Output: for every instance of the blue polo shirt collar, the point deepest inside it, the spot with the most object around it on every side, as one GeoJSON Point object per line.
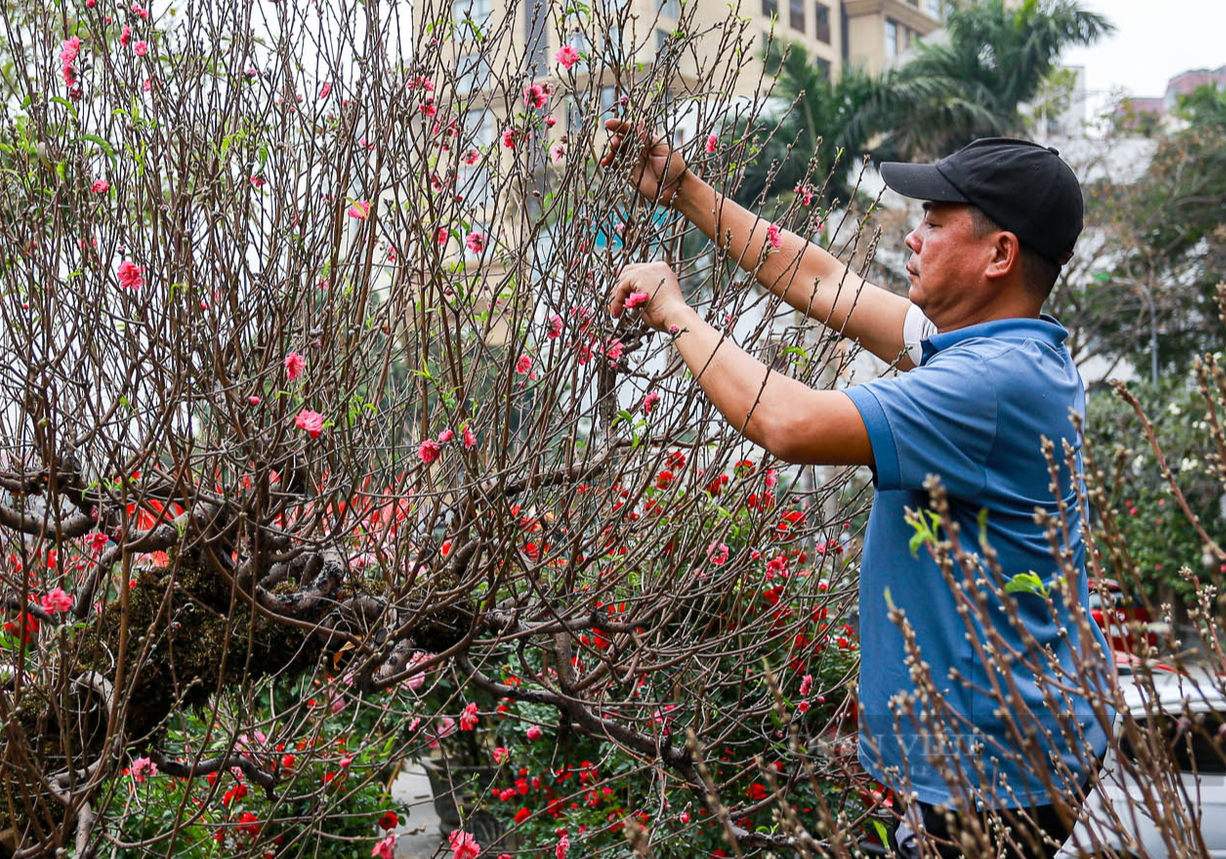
{"type": "Point", "coordinates": [1045, 329]}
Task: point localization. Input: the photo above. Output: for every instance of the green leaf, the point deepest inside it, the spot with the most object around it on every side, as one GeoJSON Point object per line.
{"type": "Point", "coordinates": [101, 143]}
{"type": "Point", "coordinates": [72, 108]}
{"type": "Point", "coordinates": [1026, 583]}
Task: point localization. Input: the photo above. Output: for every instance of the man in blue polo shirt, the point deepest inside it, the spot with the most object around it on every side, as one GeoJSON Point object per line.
{"type": "Point", "coordinates": [995, 722]}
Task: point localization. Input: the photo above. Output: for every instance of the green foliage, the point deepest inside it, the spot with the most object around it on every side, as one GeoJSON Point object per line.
{"type": "Point", "coordinates": [998, 56]}
{"type": "Point", "coordinates": [1170, 243]}
{"type": "Point", "coordinates": [332, 796]}
{"type": "Point", "coordinates": [1151, 539]}
{"type": "Point", "coordinates": [815, 142]}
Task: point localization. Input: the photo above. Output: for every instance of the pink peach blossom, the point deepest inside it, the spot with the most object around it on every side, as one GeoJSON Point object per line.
{"type": "Point", "coordinates": [533, 733]}
{"type": "Point", "coordinates": [428, 451]}
{"type": "Point", "coordinates": [131, 275]}
{"type": "Point", "coordinates": [463, 845]}
{"type": "Point", "coordinates": [141, 48]}
{"type": "Point", "coordinates": [359, 210]}
{"type": "Point", "coordinates": [385, 848]}
{"type": "Point", "coordinates": [567, 56]}
{"type": "Point", "coordinates": [143, 768]}
{"type": "Point", "coordinates": [100, 186]}
{"type": "Point", "coordinates": [475, 242]}
{"type": "Point", "coordinates": [536, 96]}
{"type": "Point", "coordinates": [470, 440]}
{"type": "Point", "coordinates": [712, 142]}
{"type": "Point", "coordinates": [69, 49]}
{"type": "Point", "coordinates": [294, 365]}
{"type": "Point", "coordinates": [469, 718]}
{"type": "Point", "coordinates": [56, 601]}
{"type": "Point", "coordinates": [325, 90]}
{"type": "Point", "coordinates": [634, 299]}
{"type": "Point", "coordinates": [312, 422]}
{"type": "Point", "coordinates": [773, 236]}
{"type": "Point", "coordinates": [523, 364]}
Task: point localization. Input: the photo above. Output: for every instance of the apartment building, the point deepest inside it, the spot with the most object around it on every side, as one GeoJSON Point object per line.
{"type": "Point", "coordinates": [835, 33]}
{"type": "Point", "coordinates": [712, 58]}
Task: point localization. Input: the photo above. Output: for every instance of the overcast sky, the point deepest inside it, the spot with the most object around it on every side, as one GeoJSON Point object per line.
{"type": "Point", "coordinates": [1154, 40]}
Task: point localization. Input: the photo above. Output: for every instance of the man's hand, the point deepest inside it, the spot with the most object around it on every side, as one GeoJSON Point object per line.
{"type": "Point", "coordinates": [664, 304]}
{"type": "Point", "coordinates": [657, 168]}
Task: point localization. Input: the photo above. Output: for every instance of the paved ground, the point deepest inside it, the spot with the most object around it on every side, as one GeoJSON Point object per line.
{"type": "Point", "coordinates": [418, 837]}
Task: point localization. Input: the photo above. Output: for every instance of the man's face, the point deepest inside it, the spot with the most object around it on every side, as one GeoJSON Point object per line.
{"type": "Point", "coordinates": [947, 264]}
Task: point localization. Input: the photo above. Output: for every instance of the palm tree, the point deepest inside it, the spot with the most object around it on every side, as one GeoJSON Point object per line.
{"type": "Point", "coordinates": [970, 86]}
{"type": "Point", "coordinates": [813, 138]}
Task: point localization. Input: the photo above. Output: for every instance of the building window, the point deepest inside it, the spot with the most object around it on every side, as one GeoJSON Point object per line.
{"type": "Point", "coordinates": [823, 67]}
{"type": "Point", "coordinates": [473, 181]}
{"type": "Point", "coordinates": [661, 39]}
{"type": "Point", "coordinates": [796, 14]}
{"type": "Point", "coordinates": [478, 128]}
{"type": "Point", "coordinates": [821, 12]}
{"type": "Point", "coordinates": [474, 73]}
{"type": "Point", "coordinates": [770, 8]}
{"type": "Point", "coordinates": [608, 100]}
{"type": "Point", "coordinates": [671, 8]}
{"type": "Point", "coordinates": [536, 37]}
{"type": "Point", "coordinates": [476, 10]}
{"type": "Point", "coordinates": [613, 44]}
{"type": "Point", "coordinates": [934, 8]}
{"type": "Point", "coordinates": [891, 39]}
{"type": "Point", "coordinates": [574, 116]}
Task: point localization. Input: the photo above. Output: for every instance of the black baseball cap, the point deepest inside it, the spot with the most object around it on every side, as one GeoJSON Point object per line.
{"type": "Point", "coordinates": [1024, 187]}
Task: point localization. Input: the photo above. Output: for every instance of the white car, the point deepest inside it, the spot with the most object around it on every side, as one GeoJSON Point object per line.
{"type": "Point", "coordinates": [1144, 807]}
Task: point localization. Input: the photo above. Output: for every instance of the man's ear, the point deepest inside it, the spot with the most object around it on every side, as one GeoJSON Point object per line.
{"type": "Point", "coordinates": [1006, 256]}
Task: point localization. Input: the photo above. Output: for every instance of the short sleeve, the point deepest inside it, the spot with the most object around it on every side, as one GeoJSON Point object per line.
{"type": "Point", "coordinates": [937, 419]}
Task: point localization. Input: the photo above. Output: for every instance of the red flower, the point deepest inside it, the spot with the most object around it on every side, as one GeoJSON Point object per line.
{"type": "Point", "coordinates": [235, 793]}
{"type": "Point", "coordinates": [26, 623]}
{"type": "Point", "coordinates": [389, 820]}
{"type": "Point", "coordinates": [790, 521]}
{"type": "Point", "coordinates": [757, 791]}
{"type": "Point", "coordinates": [249, 823]}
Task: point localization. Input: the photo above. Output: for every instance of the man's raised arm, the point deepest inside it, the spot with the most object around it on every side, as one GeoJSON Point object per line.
{"type": "Point", "coordinates": [798, 271]}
